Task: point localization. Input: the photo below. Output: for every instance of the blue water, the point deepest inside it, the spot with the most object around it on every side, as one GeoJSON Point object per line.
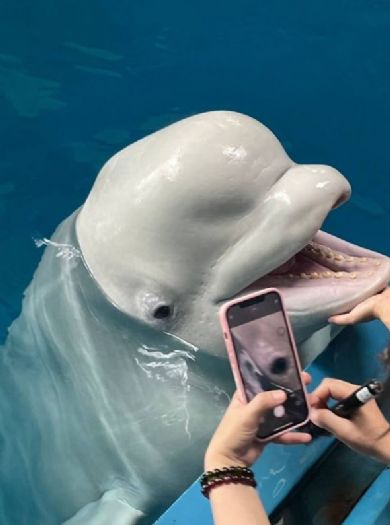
{"type": "Point", "coordinates": [79, 80]}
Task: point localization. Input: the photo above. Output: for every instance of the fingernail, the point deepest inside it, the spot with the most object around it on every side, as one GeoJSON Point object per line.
{"type": "Point", "coordinates": [314, 415]}
{"type": "Point", "coordinates": [278, 395]}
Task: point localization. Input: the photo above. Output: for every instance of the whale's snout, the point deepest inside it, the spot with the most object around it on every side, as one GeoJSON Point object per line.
{"type": "Point", "coordinates": [323, 181]}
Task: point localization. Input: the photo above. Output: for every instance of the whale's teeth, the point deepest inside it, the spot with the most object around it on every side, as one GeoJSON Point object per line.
{"type": "Point", "coordinates": [319, 275]}
{"type": "Point", "coordinates": [327, 253]}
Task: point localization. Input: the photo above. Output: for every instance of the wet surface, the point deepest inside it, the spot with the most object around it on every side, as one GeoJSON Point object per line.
{"type": "Point", "coordinates": [330, 490]}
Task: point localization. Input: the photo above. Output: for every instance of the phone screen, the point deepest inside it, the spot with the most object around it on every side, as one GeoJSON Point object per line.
{"type": "Point", "coordinates": [266, 359]}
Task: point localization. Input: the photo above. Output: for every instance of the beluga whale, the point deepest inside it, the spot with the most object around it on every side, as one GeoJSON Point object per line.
{"type": "Point", "coordinates": [115, 373]}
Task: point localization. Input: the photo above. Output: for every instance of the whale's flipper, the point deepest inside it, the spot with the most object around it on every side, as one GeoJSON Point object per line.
{"type": "Point", "coordinates": [111, 508]}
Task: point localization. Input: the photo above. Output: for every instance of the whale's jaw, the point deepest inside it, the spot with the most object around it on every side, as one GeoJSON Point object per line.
{"type": "Point", "coordinates": [328, 276]}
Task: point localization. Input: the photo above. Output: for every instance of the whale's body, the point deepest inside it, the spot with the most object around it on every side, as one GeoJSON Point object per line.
{"type": "Point", "coordinates": [90, 399]}
{"type": "Point", "coordinates": [115, 374]}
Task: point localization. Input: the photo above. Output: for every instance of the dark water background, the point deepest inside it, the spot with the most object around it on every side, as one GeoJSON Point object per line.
{"type": "Point", "coordinates": [80, 80]}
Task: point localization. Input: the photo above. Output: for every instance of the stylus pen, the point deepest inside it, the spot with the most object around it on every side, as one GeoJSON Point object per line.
{"type": "Point", "coordinates": [348, 406]}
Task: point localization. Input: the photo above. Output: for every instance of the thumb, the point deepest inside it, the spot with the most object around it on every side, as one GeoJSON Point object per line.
{"type": "Point", "coordinates": [264, 401]}
{"type": "Point", "coordinates": [336, 425]}
{"type": "Point", "coordinates": [354, 316]}
{"type": "Point", "coordinates": [362, 312]}
{"type": "Point", "coordinates": [342, 319]}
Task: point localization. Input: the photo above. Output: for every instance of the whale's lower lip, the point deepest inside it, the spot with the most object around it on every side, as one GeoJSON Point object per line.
{"type": "Point", "coordinates": [326, 277]}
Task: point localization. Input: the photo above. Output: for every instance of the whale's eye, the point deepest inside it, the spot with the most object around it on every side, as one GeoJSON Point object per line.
{"type": "Point", "coordinates": [279, 366]}
{"type": "Point", "coordinates": [162, 311]}
{"type": "Point", "coordinates": [156, 307]}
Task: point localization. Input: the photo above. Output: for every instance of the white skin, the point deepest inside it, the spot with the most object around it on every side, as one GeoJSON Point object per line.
{"type": "Point", "coordinates": [234, 442]}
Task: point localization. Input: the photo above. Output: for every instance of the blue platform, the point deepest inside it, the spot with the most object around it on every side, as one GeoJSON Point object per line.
{"type": "Point", "coordinates": [374, 507]}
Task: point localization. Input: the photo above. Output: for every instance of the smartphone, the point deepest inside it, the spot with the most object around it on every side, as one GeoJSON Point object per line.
{"type": "Point", "coordinates": [263, 357]}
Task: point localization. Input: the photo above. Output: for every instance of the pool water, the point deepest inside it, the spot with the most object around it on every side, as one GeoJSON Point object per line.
{"type": "Point", "coordinates": [80, 80]}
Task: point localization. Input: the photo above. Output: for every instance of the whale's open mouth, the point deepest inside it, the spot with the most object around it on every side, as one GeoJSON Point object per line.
{"type": "Point", "coordinates": [327, 276]}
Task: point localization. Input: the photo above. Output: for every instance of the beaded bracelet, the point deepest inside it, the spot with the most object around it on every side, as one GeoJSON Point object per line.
{"type": "Point", "coordinates": [226, 475]}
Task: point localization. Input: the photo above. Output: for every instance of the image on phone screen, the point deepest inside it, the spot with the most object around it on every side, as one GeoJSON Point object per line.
{"type": "Point", "coordinates": [266, 359]}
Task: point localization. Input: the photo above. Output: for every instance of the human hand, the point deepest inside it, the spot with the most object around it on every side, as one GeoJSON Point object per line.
{"type": "Point", "coordinates": [367, 431]}
{"type": "Point", "coordinates": [375, 307]}
{"type": "Point", "coordinates": [235, 442]}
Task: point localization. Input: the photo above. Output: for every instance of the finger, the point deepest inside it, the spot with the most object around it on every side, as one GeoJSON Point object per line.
{"type": "Point", "coordinates": [362, 312]}
{"type": "Point", "coordinates": [386, 292]}
{"type": "Point", "coordinates": [348, 319]}
{"type": "Point", "coordinates": [314, 400]}
{"type": "Point", "coordinates": [237, 399]}
{"type": "Point", "coordinates": [306, 378]}
{"type": "Point", "coordinates": [293, 438]}
{"type": "Point", "coordinates": [341, 319]}
{"type": "Point", "coordinates": [326, 419]}
{"type": "Point", "coordinates": [264, 401]}
{"type": "Point", "coordinates": [351, 317]}
{"type": "Point", "coordinates": [235, 402]}
{"type": "Point", "coordinates": [334, 388]}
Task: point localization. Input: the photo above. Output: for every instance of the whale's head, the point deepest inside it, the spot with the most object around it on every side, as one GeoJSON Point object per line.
{"type": "Point", "coordinates": [210, 208]}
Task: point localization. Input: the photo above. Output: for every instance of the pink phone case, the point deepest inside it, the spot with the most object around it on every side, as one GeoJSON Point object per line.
{"type": "Point", "coordinates": [233, 358]}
